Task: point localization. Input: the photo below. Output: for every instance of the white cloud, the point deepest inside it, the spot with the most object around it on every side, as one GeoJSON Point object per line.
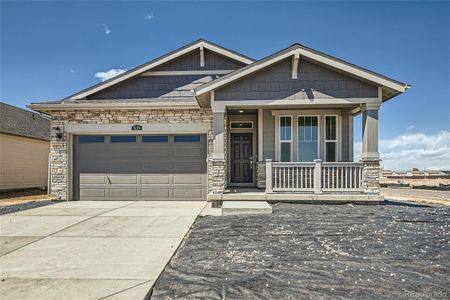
{"type": "Point", "coordinates": [107, 30]}
{"type": "Point", "coordinates": [72, 71]}
{"type": "Point", "coordinates": [414, 150]}
{"type": "Point", "coordinates": [410, 127]}
{"type": "Point", "coordinates": [149, 16]}
{"type": "Point", "coordinates": [109, 74]}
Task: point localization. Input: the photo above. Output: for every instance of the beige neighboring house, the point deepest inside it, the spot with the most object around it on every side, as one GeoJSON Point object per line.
{"type": "Point", "coordinates": [24, 148]}
{"type": "Point", "coordinates": [207, 123]}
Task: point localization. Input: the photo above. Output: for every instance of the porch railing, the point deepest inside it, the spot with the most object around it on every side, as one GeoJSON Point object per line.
{"type": "Point", "coordinates": [314, 177]}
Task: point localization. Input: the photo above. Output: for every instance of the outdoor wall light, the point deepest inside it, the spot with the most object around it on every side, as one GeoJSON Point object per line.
{"type": "Point", "coordinates": [58, 132]}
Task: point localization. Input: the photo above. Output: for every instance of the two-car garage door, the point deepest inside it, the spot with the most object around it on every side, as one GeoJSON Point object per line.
{"type": "Point", "coordinates": [139, 167]}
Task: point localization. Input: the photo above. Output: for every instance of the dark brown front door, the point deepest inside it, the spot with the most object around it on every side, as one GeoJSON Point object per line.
{"type": "Point", "coordinates": [241, 158]}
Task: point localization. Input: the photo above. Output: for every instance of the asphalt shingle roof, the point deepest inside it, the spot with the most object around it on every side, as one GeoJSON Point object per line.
{"type": "Point", "coordinates": [18, 121]}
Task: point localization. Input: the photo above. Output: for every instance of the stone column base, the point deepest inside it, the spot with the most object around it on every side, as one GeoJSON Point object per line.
{"type": "Point", "coordinates": [217, 175]}
{"type": "Point", "coordinates": [371, 176]}
{"type": "Point", "coordinates": [261, 174]}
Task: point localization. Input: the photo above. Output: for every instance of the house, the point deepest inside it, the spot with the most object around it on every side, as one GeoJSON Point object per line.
{"type": "Point", "coordinates": [387, 173]}
{"type": "Point", "coordinates": [199, 121]}
{"type": "Point", "coordinates": [433, 173]}
{"type": "Point", "coordinates": [24, 148]}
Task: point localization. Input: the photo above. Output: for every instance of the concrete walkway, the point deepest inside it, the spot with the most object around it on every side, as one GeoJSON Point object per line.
{"type": "Point", "coordinates": [90, 250]}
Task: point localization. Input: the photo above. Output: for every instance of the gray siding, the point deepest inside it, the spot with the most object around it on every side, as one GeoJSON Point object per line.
{"type": "Point", "coordinates": [314, 81]}
{"type": "Point", "coordinates": [191, 61]}
{"type": "Point", "coordinates": [154, 87]}
{"type": "Point", "coordinates": [268, 135]}
{"type": "Point", "coordinates": [169, 86]}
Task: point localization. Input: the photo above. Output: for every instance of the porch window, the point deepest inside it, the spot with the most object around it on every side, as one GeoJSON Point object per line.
{"type": "Point", "coordinates": [308, 138]}
{"type": "Point", "coordinates": [331, 138]}
{"type": "Point", "coordinates": [285, 138]}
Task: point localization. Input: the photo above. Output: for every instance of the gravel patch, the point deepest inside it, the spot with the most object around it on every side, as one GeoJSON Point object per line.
{"type": "Point", "coordinates": [389, 251]}
{"type": "Point", "coordinates": [24, 206]}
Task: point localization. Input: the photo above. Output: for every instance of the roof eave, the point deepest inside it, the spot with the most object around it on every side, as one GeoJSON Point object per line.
{"type": "Point", "coordinates": [82, 106]}
{"type": "Point", "coordinates": [357, 71]}
{"type": "Point", "coordinates": [161, 60]}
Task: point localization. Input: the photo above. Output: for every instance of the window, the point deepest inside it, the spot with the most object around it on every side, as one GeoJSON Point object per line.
{"type": "Point", "coordinates": [285, 138]}
{"type": "Point", "coordinates": [155, 139]}
{"type": "Point", "coordinates": [308, 138]}
{"type": "Point", "coordinates": [91, 139]}
{"type": "Point", "coordinates": [330, 138]}
{"type": "Point", "coordinates": [123, 139]}
{"type": "Point", "coordinates": [187, 138]}
{"type": "Point", "coordinates": [237, 125]}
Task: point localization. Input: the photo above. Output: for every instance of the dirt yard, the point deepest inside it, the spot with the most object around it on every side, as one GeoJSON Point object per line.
{"type": "Point", "coordinates": [389, 251]}
{"type": "Point", "coordinates": [417, 195]}
{"type": "Point", "coordinates": [22, 196]}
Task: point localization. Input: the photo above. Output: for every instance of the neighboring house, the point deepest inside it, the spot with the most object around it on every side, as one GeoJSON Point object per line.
{"type": "Point", "coordinates": [200, 119]}
{"type": "Point", "coordinates": [24, 148]}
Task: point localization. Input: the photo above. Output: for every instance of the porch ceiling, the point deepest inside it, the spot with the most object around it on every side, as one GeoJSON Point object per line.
{"type": "Point", "coordinates": [242, 111]}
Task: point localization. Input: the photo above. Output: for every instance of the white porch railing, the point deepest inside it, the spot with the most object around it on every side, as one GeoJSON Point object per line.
{"type": "Point", "coordinates": [343, 176]}
{"type": "Point", "coordinates": [292, 176]}
{"type": "Point", "coordinates": [314, 177]}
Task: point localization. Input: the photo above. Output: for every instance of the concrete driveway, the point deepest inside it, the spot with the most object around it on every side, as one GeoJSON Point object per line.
{"type": "Point", "coordinates": [90, 250]}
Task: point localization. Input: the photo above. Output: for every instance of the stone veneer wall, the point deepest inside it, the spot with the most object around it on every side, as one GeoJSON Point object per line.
{"type": "Point", "coordinates": [371, 176]}
{"type": "Point", "coordinates": [59, 149]}
{"type": "Point", "coordinates": [261, 174]}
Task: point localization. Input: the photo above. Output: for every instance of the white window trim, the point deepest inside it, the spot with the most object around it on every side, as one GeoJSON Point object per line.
{"type": "Point", "coordinates": [318, 134]}
{"type": "Point", "coordinates": [285, 141]}
{"type": "Point", "coordinates": [325, 137]}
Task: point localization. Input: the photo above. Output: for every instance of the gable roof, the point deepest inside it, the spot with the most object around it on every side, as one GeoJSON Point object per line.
{"type": "Point", "coordinates": [18, 121]}
{"type": "Point", "coordinates": [395, 87]}
{"type": "Point", "coordinates": [159, 61]}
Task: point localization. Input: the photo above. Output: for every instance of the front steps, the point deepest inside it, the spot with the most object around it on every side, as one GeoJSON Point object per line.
{"type": "Point", "coordinates": [230, 208]}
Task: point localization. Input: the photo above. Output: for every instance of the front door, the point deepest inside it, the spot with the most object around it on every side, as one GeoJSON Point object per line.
{"type": "Point", "coordinates": [241, 158]}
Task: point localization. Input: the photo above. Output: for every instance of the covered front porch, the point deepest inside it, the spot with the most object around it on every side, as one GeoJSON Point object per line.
{"type": "Point", "coordinates": [284, 125]}
{"type": "Point", "coordinates": [295, 154]}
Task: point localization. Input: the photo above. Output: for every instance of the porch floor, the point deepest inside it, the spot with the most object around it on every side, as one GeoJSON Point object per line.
{"type": "Point", "coordinates": [255, 194]}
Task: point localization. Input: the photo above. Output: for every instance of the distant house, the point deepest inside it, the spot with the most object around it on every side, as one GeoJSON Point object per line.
{"type": "Point", "coordinates": [387, 173]}
{"type": "Point", "coordinates": [24, 148]}
{"type": "Point", "coordinates": [434, 173]}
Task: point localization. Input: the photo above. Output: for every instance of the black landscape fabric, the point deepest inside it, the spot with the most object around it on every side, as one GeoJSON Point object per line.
{"type": "Point", "coordinates": [390, 251]}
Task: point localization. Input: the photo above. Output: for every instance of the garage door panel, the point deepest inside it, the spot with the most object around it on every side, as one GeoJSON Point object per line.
{"type": "Point", "coordinates": [93, 193]}
{"type": "Point", "coordinates": [187, 179]}
{"type": "Point", "coordinates": [92, 179]}
{"type": "Point", "coordinates": [123, 193]}
{"type": "Point", "coordinates": [155, 179]}
{"type": "Point", "coordinates": [141, 170]}
{"type": "Point", "coordinates": [123, 179]}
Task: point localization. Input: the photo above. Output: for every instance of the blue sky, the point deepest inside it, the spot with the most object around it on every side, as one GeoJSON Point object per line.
{"type": "Point", "coordinates": [52, 49]}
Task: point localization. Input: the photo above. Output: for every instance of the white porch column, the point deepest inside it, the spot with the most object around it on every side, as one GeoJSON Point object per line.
{"type": "Point", "coordinates": [317, 176]}
{"type": "Point", "coordinates": [370, 155]}
{"type": "Point", "coordinates": [219, 134]}
{"type": "Point", "coordinates": [370, 131]}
